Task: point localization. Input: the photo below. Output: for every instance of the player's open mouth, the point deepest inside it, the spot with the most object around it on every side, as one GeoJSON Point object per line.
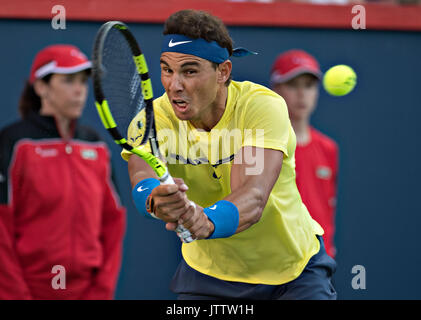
{"type": "Point", "coordinates": [180, 104]}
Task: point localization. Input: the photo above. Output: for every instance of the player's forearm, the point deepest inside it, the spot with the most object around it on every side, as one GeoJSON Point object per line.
{"type": "Point", "coordinates": [139, 170]}
{"type": "Point", "coordinates": [250, 203]}
{"type": "Point", "coordinates": [251, 192]}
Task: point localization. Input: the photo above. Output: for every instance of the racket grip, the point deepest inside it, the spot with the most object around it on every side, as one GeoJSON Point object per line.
{"type": "Point", "coordinates": [182, 232]}
{"type": "Point", "coordinates": [167, 179]}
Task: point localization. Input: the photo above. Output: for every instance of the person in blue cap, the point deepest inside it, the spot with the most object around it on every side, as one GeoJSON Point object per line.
{"type": "Point", "coordinates": [231, 146]}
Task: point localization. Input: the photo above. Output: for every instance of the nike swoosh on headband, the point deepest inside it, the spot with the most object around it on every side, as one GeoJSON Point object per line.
{"type": "Point", "coordinates": [202, 48]}
{"type": "Point", "coordinates": [173, 44]}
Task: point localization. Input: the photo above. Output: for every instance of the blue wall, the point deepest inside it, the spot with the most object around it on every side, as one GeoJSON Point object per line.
{"type": "Point", "coordinates": [376, 127]}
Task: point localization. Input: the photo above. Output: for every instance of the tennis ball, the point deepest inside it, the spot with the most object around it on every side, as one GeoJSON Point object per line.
{"type": "Point", "coordinates": [339, 80]}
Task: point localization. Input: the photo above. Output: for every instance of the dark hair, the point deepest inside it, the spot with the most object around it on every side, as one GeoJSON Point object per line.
{"type": "Point", "coordinates": [197, 24]}
{"type": "Point", "coordinates": [29, 100]}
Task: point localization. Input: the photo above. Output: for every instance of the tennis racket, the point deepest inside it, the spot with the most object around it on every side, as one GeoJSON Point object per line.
{"type": "Point", "coordinates": [122, 90]}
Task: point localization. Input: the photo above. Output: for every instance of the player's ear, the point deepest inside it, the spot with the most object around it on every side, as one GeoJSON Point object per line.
{"type": "Point", "coordinates": [224, 71]}
{"type": "Point", "coordinates": [40, 88]}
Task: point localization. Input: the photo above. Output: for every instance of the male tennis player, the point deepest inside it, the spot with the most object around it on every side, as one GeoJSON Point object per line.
{"type": "Point", "coordinates": [255, 238]}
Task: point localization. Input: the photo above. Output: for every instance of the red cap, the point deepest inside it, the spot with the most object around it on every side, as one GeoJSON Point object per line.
{"type": "Point", "coordinates": [60, 58]}
{"type": "Point", "coordinates": [293, 63]}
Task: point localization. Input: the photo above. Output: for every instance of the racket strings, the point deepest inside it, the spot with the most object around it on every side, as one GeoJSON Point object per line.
{"type": "Point", "coordinates": [121, 84]}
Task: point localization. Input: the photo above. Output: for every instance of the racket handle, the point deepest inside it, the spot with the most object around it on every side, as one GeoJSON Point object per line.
{"type": "Point", "coordinates": [167, 179]}
{"type": "Point", "coordinates": [182, 232]}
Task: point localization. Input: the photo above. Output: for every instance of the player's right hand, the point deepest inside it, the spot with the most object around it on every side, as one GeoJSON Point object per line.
{"type": "Point", "coordinates": [196, 221]}
{"type": "Point", "coordinates": [169, 201]}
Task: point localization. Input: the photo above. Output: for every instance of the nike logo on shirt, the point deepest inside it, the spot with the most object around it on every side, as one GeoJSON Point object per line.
{"type": "Point", "coordinates": [213, 207]}
{"type": "Point", "coordinates": [173, 44]}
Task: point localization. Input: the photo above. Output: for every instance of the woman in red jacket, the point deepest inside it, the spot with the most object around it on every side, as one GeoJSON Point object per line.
{"type": "Point", "coordinates": [61, 223]}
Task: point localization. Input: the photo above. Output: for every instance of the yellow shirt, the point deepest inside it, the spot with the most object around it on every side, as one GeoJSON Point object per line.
{"type": "Point", "coordinates": [276, 249]}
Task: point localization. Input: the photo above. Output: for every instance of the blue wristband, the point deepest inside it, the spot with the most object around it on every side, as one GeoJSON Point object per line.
{"type": "Point", "coordinates": [141, 192]}
{"type": "Point", "coordinates": [225, 217]}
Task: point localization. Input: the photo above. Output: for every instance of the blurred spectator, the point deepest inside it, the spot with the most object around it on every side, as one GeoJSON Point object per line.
{"type": "Point", "coordinates": [295, 75]}
{"type": "Point", "coordinates": [61, 224]}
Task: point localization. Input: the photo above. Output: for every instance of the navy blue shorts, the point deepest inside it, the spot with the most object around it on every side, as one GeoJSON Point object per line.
{"type": "Point", "coordinates": [314, 283]}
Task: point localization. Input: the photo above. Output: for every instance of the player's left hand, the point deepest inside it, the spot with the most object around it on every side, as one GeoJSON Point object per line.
{"type": "Point", "coordinates": [196, 221]}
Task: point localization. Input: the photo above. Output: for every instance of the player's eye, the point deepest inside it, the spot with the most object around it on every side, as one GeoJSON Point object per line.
{"type": "Point", "coordinates": [166, 70]}
{"type": "Point", "coordinates": [190, 71]}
